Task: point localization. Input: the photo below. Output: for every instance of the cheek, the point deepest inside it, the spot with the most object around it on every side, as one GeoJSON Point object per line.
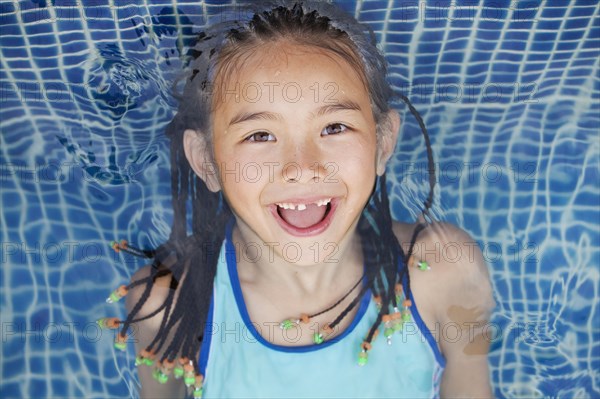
{"type": "Point", "coordinates": [356, 160]}
{"type": "Point", "coordinates": [242, 177]}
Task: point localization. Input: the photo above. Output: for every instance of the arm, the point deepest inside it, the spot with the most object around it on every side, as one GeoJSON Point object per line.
{"type": "Point", "coordinates": [146, 330]}
{"type": "Point", "coordinates": [468, 305]}
{"type": "Point", "coordinates": [458, 295]}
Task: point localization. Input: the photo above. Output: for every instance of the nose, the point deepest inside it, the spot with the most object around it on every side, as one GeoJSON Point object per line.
{"type": "Point", "coordinates": [305, 163]}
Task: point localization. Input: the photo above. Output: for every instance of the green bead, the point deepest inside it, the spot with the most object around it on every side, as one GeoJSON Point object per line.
{"type": "Point", "coordinates": [114, 297]}
{"type": "Point", "coordinates": [162, 377]}
{"type": "Point", "coordinates": [398, 326]}
{"type": "Point", "coordinates": [198, 392]}
{"type": "Point", "coordinates": [178, 371]}
{"type": "Point", "coordinates": [422, 265]}
{"type": "Point", "coordinates": [139, 360]}
{"type": "Point", "coordinates": [286, 324]}
{"type": "Point", "coordinates": [148, 361]}
{"type": "Point", "coordinates": [388, 332]}
{"type": "Point", "coordinates": [189, 380]}
{"type": "Point", "coordinates": [155, 374]}
{"type": "Point", "coordinates": [120, 346]}
{"type": "Point", "coordinates": [318, 338]}
{"type": "Point", "coordinates": [363, 357]}
{"type": "Point", "coordinates": [405, 316]}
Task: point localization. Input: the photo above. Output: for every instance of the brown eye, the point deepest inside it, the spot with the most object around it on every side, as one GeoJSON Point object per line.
{"type": "Point", "coordinates": [261, 137]}
{"type": "Point", "coordinates": [334, 128]}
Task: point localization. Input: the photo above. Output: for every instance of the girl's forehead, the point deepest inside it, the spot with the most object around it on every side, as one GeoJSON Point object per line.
{"type": "Point", "coordinates": [285, 59]}
{"type": "Point", "coordinates": [286, 69]}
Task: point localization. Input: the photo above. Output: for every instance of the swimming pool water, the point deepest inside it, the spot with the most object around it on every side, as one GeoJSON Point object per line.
{"type": "Point", "coordinates": [509, 90]}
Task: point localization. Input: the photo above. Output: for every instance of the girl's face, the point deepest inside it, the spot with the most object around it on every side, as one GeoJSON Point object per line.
{"type": "Point", "coordinates": [295, 150]}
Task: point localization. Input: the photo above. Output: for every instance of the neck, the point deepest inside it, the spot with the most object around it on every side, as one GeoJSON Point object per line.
{"type": "Point", "coordinates": [334, 275]}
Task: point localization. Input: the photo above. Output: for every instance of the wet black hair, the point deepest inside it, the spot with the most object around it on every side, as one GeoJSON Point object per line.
{"type": "Point", "coordinates": [190, 257]}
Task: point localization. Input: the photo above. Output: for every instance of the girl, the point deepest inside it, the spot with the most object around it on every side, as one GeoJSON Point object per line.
{"type": "Point", "coordinates": [293, 265]}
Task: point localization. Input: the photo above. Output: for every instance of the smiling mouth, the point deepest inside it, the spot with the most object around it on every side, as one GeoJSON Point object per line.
{"type": "Point", "coordinates": [305, 219]}
{"type": "Point", "coordinates": [304, 215]}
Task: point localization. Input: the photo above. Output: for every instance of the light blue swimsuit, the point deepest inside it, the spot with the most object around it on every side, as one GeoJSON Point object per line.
{"type": "Point", "coordinates": [238, 363]}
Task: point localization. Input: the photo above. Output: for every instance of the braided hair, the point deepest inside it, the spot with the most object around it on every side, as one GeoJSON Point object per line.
{"type": "Point", "coordinates": [190, 257]}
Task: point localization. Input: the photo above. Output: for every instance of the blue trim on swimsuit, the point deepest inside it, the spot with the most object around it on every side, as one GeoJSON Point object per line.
{"type": "Point", "coordinates": [239, 298]}
{"type": "Point", "coordinates": [425, 330]}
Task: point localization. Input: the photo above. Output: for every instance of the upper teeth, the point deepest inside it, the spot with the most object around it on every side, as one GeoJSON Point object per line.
{"type": "Point", "coordinates": [301, 207]}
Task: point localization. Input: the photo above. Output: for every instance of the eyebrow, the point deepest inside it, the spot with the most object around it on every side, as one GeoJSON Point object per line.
{"type": "Point", "coordinates": [345, 105]}
{"type": "Point", "coordinates": [253, 116]}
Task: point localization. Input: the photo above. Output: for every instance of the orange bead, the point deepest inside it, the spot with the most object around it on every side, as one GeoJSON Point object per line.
{"type": "Point", "coordinates": [183, 360]}
{"type": "Point", "coordinates": [377, 299]}
{"type": "Point", "coordinates": [407, 303]}
{"type": "Point", "coordinates": [199, 379]}
{"type": "Point", "coordinates": [122, 290]}
{"type": "Point", "coordinates": [396, 315]}
{"type": "Point", "coordinates": [169, 364]}
{"type": "Point", "coordinates": [123, 244]}
{"type": "Point", "coordinates": [188, 367]}
{"type": "Point", "coordinates": [327, 329]}
{"type": "Point", "coordinates": [366, 346]}
{"type": "Point", "coordinates": [304, 318]}
{"type": "Point", "coordinates": [386, 318]}
{"type": "Point", "coordinates": [113, 322]}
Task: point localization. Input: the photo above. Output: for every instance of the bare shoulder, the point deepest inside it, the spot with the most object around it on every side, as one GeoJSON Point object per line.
{"type": "Point", "coordinates": [458, 273]}
{"type": "Point", "coordinates": [455, 300]}
{"type": "Point", "coordinates": [146, 302]}
{"type": "Point", "coordinates": [156, 296]}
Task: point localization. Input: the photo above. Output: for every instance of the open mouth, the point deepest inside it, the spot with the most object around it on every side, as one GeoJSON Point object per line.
{"type": "Point", "coordinates": [305, 219]}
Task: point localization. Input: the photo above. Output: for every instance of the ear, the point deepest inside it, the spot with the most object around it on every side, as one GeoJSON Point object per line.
{"type": "Point", "coordinates": [199, 156]}
{"type": "Point", "coordinates": [387, 141]}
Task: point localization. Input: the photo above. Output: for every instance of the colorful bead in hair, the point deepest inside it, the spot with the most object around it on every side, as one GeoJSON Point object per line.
{"type": "Point", "coordinates": [189, 377]}
{"type": "Point", "coordinates": [388, 330]}
{"type": "Point", "coordinates": [178, 370]}
{"type": "Point", "coordinates": [363, 357]}
{"type": "Point", "coordinates": [159, 374]}
{"type": "Point", "coordinates": [120, 342]}
{"type": "Point", "coordinates": [321, 336]}
{"type": "Point", "coordinates": [148, 357]}
{"type": "Point", "coordinates": [377, 300]}
{"type": "Point", "coordinates": [198, 382]}
{"type": "Point", "coordinates": [117, 294]}
{"type": "Point", "coordinates": [108, 323]}
{"type": "Point", "coordinates": [422, 265]}
{"type": "Point", "coordinates": [287, 324]}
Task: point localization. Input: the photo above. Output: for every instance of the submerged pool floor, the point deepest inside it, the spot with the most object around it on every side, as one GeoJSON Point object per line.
{"type": "Point", "coordinates": [509, 91]}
